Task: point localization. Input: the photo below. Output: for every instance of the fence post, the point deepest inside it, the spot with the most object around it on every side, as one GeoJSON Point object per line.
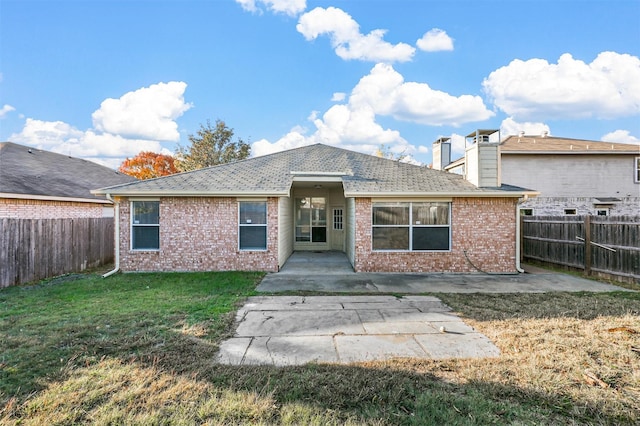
{"type": "Point", "coordinates": [587, 245]}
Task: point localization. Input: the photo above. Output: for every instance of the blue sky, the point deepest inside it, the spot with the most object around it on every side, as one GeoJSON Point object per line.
{"type": "Point", "coordinates": [105, 80]}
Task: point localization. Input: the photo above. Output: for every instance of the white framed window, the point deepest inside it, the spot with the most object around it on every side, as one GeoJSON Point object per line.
{"type": "Point", "coordinates": [570, 212]}
{"type": "Point", "coordinates": [411, 226]}
{"type": "Point", "coordinates": [338, 219]}
{"type": "Point", "coordinates": [637, 171]}
{"type": "Point", "coordinates": [602, 212]}
{"type": "Point", "coordinates": [252, 226]}
{"type": "Point", "coordinates": [145, 225]}
{"type": "Point", "coordinates": [526, 212]}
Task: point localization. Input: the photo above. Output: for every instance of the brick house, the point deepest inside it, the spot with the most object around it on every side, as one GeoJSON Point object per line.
{"type": "Point", "coordinates": [573, 176]}
{"type": "Point", "coordinates": [253, 214]}
{"type": "Point", "coordinates": [38, 184]}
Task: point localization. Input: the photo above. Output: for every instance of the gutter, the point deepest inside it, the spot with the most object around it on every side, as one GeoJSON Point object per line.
{"type": "Point", "coordinates": [518, 231]}
{"type": "Point", "coordinates": [116, 267]}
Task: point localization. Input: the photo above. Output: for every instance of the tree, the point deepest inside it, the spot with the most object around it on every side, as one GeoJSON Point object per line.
{"type": "Point", "coordinates": [211, 146]}
{"type": "Point", "coordinates": [147, 165]}
{"type": "Point", "coordinates": [384, 151]}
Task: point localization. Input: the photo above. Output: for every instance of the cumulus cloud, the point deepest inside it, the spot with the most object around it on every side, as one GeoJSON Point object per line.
{"type": "Point", "coordinates": [435, 40]}
{"type": "Point", "coordinates": [511, 127]}
{"type": "Point", "coordinates": [338, 97]}
{"type": "Point", "coordinates": [620, 136]}
{"type": "Point", "coordinates": [147, 113]}
{"type": "Point", "coordinates": [288, 7]}
{"type": "Point", "coordinates": [113, 139]}
{"type": "Point", "coordinates": [383, 92]}
{"type": "Point", "coordinates": [346, 38]}
{"type": "Point", "coordinates": [608, 87]}
{"type": "Point", "coordinates": [6, 109]}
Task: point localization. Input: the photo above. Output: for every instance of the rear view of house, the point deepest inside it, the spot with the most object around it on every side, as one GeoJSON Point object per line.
{"type": "Point", "coordinates": [252, 214]}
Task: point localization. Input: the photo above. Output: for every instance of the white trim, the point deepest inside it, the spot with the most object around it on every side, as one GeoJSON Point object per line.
{"type": "Point", "coordinates": [316, 178]}
{"type": "Point", "coordinates": [252, 199]}
{"type": "Point", "coordinates": [255, 225]}
{"type": "Point", "coordinates": [636, 169]}
{"type": "Point", "coordinates": [116, 267]}
{"type": "Point", "coordinates": [401, 199]}
{"type": "Point", "coordinates": [319, 173]}
{"type": "Point", "coordinates": [168, 193]}
{"type": "Point", "coordinates": [412, 195]}
{"type": "Point", "coordinates": [53, 198]}
{"type": "Point", "coordinates": [411, 225]}
{"type": "Point", "coordinates": [131, 214]}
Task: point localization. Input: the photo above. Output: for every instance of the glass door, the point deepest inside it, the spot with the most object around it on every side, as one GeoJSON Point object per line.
{"type": "Point", "coordinates": [311, 219]}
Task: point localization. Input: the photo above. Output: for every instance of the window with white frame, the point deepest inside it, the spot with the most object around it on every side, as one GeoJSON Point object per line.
{"type": "Point", "coordinates": [602, 212]}
{"type": "Point", "coordinates": [337, 219]}
{"type": "Point", "coordinates": [637, 170]}
{"type": "Point", "coordinates": [145, 225]}
{"type": "Point", "coordinates": [526, 212]}
{"type": "Point", "coordinates": [252, 225]}
{"type": "Point", "coordinates": [411, 226]}
{"type": "Point", "coordinates": [570, 212]}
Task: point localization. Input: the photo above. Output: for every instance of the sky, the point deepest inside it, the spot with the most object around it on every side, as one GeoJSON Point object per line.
{"type": "Point", "coordinates": [104, 80]}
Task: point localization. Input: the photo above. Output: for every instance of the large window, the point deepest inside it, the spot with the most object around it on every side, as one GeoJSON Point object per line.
{"type": "Point", "coordinates": [253, 225]}
{"type": "Point", "coordinates": [411, 226]}
{"type": "Point", "coordinates": [145, 225]}
{"type": "Point", "coordinates": [311, 219]}
{"type": "Point", "coordinates": [637, 169]}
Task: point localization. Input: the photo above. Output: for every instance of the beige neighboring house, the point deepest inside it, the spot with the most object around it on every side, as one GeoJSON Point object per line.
{"type": "Point", "coordinates": [573, 176]}
{"type": "Point", "coordinates": [38, 184]}
{"type": "Point", "coordinates": [253, 214]}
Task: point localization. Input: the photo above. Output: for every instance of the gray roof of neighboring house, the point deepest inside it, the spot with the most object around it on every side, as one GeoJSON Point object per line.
{"type": "Point", "coordinates": [33, 172]}
{"type": "Point", "coordinates": [528, 144]}
{"type": "Point", "coordinates": [274, 174]}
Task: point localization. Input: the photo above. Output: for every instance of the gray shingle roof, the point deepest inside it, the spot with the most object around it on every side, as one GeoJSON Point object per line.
{"type": "Point", "coordinates": [361, 174]}
{"type": "Point", "coordinates": [31, 171]}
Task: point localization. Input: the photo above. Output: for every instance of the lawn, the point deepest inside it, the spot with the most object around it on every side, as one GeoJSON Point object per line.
{"type": "Point", "coordinates": [139, 349]}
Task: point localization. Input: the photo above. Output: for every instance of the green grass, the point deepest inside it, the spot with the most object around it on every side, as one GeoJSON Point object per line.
{"type": "Point", "coordinates": [139, 349]}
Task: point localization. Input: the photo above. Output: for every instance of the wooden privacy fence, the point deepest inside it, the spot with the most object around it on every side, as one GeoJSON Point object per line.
{"type": "Point", "coordinates": [607, 246]}
{"type": "Point", "coordinates": [33, 249]}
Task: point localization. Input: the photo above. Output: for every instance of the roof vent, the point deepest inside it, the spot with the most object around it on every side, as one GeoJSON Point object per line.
{"type": "Point", "coordinates": [521, 133]}
{"type": "Point", "coordinates": [544, 134]}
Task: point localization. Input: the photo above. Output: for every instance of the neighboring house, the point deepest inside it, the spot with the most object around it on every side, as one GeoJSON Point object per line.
{"type": "Point", "coordinates": [573, 176]}
{"type": "Point", "coordinates": [252, 214]}
{"type": "Point", "coordinates": [37, 184]}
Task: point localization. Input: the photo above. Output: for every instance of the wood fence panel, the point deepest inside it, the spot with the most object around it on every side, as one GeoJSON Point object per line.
{"type": "Point", "coordinates": [613, 243]}
{"type": "Point", "coordinates": [34, 249]}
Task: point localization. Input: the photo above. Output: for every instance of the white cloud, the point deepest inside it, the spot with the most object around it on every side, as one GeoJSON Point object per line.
{"type": "Point", "coordinates": [288, 7]}
{"type": "Point", "coordinates": [346, 38]}
{"type": "Point", "coordinates": [147, 113]}
{"type": "Point", "coordinates": [6, 109]}
{"type": "Point", "coordinates": [435, 40]}
{"type": "Point", "coordinates": [382, 92]}
{"type": "Point", "coordinates": [608, 87]}
{"type": "Point", "coordinates": [511, 127]}
{"type": "Point", "coordinates": [386, 92]}
{"type": "Point", "coordinates": [620, 136]}
{"type": "Point", "coordinates": [113, 139]}
{"type": "Point", "coordinates": [339, 97]}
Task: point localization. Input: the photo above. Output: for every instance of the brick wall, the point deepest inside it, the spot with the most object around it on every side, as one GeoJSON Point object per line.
{"type": "Point", "coordinates": [199, 234]}
{"type": "Point", "coordinates": [43, 209]}
{"type": "Point", "coordinates": [483, 227]}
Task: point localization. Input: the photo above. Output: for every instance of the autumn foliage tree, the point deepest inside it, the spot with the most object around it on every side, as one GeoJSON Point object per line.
{"type": "Point", "coordinates": [211, 146]}
{"type": "Point", "coordinates": [147, 165]}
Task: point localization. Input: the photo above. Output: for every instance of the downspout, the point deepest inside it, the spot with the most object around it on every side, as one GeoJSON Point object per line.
{"type": "Point", "coordinates": [518, 231]}
{"type": "Point", "coordinates": [116, 206]}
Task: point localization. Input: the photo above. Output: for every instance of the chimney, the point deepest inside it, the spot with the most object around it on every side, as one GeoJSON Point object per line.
{"type": "Point", "coordinates": [482, 160]}
{"type": "Point", "coordinates": [441, 153]}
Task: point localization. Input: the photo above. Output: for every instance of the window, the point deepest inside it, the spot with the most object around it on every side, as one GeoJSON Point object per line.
{"type": "Point", "coordinates": [252, 225]}
{"type": "Point", "coordinates": [145, 225]}
{"type": "Point", "coordinates": [337, 219]}
{"type": "Point", "coordinates": [411, 226]}
{"type": "Point", "coordinates": [602, 212]}
{"type": "Point", "coordinates": [526, 212]}
{"type": "Point", "coordinates": [311, 219]}
{"type": "Point", "coordinates": [570, 211]}
{"type": "Point", "coordinates": [637, 169]}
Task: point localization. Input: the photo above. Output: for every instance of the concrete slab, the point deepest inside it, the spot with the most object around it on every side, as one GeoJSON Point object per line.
{"type": "Point", "coordinates": [345, 329]}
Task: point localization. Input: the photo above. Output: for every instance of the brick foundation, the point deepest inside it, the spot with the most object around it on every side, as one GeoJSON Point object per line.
{"type": "Point", "coordinates": [483, 228]}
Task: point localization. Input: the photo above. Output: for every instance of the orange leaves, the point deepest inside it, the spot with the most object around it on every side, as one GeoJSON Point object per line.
{"type": "Point", "coordinates": [148, 165]}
